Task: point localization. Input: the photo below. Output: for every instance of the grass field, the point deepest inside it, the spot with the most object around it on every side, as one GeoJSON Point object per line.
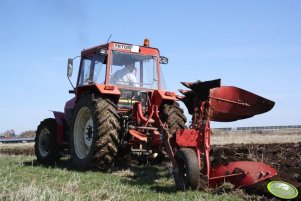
{"type": "Point", "coordinates": [22, 179]}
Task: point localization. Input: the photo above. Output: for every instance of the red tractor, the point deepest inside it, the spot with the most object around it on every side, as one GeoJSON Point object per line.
{"type": "Point", "coordinates": [120, 105]}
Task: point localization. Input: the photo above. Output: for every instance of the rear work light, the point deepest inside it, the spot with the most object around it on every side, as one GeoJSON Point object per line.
{"type": "Point", "coordinates": [146, 42]}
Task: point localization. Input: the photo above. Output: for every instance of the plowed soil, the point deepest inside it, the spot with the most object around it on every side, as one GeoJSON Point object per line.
{"type": "Point", "coordinates": [285, 158]}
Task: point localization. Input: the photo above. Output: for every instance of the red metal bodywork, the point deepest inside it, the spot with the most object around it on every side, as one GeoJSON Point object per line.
{"type": "Point", "coordinates": [231, 103]}
{"type": "Point", "coordinates": [70, 104]}
{"type": "Point", "coordinates": [241, 174]}
{"type": "Point", "coordinates": [107, 90]}
{"type": "Point", "coordinates": [209, 101]}
{"type": "Point", "coordinates": [59, 118]}
{"type": "Point", "coordinates": [158, 96]}
{"type": "Point", "coordinates": [187, 138]}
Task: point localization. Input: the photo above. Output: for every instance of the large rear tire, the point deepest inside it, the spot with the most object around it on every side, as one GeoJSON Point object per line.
{"type": "Point", "coordinates": [173, 115]}
{"type": "Point", "coordinates": [188, 169]}
{"type": "Point", "coordinates": [46, 146]}
{"type": "Point", "coordinates": [94, 132]}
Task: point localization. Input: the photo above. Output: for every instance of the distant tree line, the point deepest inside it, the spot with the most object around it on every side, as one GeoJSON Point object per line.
{"type": "Point", "coordinates": [26, 134]}
{"type": "Point", "coordinates": [12, 134]}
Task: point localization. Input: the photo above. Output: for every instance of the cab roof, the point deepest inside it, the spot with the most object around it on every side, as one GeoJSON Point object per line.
{"type": "Point", "coordinates": [119, 46]}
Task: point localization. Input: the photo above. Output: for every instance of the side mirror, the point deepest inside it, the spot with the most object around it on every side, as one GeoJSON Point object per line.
{"type": "Point", "coordinates": [70, 67]}
{"type": "Point", "coordinates": [163, 60]}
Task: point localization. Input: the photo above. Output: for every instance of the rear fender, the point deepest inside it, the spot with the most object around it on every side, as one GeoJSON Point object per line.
{"type": "Point", "coordinates": [60, 119]}
{"type": "Point", "coordinates": [106, 90]}
{"type": "Point", "coordinates": [159, 96]}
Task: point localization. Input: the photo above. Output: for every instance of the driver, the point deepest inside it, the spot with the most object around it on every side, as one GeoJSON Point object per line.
{"type": "Point", "coordinates": [125, 76]}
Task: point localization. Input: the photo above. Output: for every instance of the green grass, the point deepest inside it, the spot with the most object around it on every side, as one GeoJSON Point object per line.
{"type": "Point", "coordinates": [21, 178]}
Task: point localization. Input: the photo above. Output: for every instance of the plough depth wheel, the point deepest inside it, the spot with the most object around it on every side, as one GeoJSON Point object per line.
{"type": "Point", "coordinates": [188, 169]}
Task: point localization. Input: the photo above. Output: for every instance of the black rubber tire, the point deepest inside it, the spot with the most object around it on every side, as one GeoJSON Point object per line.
{"type": "Point", "coordinates": [105, 139]}
{"type": "Point", "coordinates": [173, 115]}
{"type": "Point", "coordinates": [46, 146]}
{"type": "Point", "coordinates": [188, 169]}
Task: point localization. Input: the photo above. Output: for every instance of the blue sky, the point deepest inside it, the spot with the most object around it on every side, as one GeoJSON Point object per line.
{"type": "Point", "coordinates": [254, 45]}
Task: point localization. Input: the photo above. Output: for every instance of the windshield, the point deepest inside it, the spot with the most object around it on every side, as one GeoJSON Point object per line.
{"type": "Point", "coordinates": [134, 70]}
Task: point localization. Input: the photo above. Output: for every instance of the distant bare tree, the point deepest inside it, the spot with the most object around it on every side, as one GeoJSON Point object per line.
{"type": "Point", "coordinates": [8, 134]}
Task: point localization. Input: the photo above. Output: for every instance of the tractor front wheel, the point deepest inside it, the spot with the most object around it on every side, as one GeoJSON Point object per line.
{"type": "Point", "coordinates": [94, 136]}
{"type": "Point", "coordinates": [188, 175]}
{"type": "Point", "coordinates": [46, 146]}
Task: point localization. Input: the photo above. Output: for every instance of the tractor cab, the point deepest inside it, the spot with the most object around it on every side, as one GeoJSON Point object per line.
{"type": "Point", "coordinates": [133, 70]}
{"type": "Point", "coordinates": [134, 74]}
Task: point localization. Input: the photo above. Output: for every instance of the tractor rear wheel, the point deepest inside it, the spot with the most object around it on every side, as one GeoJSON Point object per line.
{"type": "Point", "coordinates": [188, 175]}
{"type": "Point", "coordinates": [46, 146]}
{"type": "Point", "coordinates": [94, 136]}
{"type": "Point", "coordinates": [173, 115]}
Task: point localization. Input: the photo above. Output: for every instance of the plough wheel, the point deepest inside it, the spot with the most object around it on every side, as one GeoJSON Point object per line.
{"type": "Point", "coordinates": [188, 169]}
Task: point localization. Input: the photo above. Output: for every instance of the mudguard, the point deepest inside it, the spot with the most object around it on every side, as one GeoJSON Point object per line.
{"type": "Point", "coordinates": [59, 118]}
{"type": "Point", "coordinates": [108, 90]}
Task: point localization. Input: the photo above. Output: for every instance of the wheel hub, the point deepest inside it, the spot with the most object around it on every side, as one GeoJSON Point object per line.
{"type": "Point", "coordinates": [89, 132]}
{"type": "Point", "coordinates": [83, 132]}
{"type": "Point", "coordinates": [44, 142]}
